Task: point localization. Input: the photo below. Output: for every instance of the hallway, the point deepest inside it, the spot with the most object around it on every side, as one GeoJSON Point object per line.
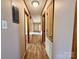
{"type": "Point", "coordinates": [37, 29]}
{"type": "Point", "coordinates": [35, 26]}
{"type": "Point", "coordinates": [35, 49]}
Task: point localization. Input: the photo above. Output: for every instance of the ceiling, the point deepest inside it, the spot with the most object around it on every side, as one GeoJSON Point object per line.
{"type": "Point", "coordinates": [32, 9]}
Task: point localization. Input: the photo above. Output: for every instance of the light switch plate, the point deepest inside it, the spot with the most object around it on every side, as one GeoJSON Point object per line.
{"type": "Point", "coordinates": [4, 24]}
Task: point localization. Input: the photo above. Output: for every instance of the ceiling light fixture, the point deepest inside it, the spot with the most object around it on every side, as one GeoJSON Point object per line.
{"type": "Point", "coordinates": [13, 4]}
{"type": "Point", "coordinates": [35, 3]}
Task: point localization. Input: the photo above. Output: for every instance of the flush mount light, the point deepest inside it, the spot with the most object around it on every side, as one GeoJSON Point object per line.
{"type": "Point", "coordinates": [35, 3]}
{"type": "Point", "coordinates": [13, 4]}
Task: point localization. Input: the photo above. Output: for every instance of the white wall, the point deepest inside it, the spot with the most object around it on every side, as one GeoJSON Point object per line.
{"type": "Point", "coordinates": [9, 36]}
{"type": "Point", "coordinates": [63, 30]}
{"type": "Point", "coordinates": [12, 38]}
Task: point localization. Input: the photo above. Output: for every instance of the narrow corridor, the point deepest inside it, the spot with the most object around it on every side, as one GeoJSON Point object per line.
{"type": "Point", "coordinates": [38, 29]}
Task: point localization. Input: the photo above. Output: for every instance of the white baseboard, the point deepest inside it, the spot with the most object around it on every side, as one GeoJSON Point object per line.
{"type": "Point", "coordinates": [48, 48]}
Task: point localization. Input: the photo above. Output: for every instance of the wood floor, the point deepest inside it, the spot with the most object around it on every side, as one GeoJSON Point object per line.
{"type": "Point", "coordinates": [35, 49]}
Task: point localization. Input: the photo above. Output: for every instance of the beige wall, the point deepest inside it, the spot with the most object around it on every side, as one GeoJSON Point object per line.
{"type": "Point", "coordinates": [12, 38]}
{"type": "Point", "coordinates": [9, 36]}
{"type": "Point", "coordinates": [63, 30]}
{"type": "Point", "coordinates": [21, 5]}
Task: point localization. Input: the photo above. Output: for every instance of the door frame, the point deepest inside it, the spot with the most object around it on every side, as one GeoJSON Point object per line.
{"type": "Point", "coordinates": [43, 28]}
{"type": "Point", "coordinates": [25, 13]}
{"type": "Point", "coordinates": [74, 41]}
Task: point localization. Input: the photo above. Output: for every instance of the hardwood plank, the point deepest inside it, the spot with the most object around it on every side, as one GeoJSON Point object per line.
{"type": "Point", "coordinates": [36, 50]}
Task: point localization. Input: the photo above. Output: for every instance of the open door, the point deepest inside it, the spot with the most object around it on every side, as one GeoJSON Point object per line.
{"type": "Point", "coordinates": [43, 28]}
{"type": "Point", "coordinates": [26, 28]}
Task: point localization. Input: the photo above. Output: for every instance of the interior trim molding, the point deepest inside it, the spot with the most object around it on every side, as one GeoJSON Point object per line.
{"type": "Point", "coordinates": [44, 6]}
{"type": "Point", "coordinates": [27, 8]}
